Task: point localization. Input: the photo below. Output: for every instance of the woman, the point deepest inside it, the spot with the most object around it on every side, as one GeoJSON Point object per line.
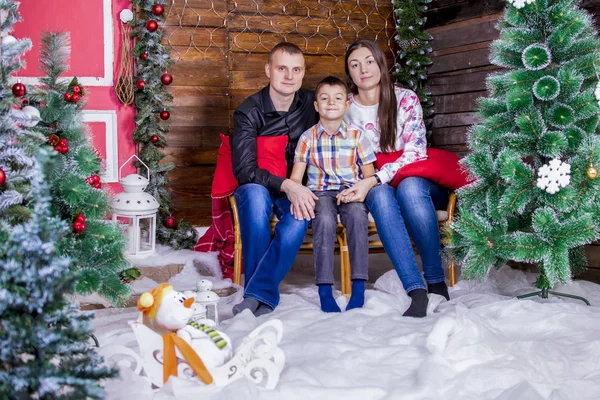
{"type": "Point", "coordinates": [392, 118]}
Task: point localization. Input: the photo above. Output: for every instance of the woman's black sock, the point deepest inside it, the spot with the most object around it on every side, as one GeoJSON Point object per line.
{"type": "Point", "coordinates": [439, 288]}
{"type": "Point", "coordinates": [418, 306]}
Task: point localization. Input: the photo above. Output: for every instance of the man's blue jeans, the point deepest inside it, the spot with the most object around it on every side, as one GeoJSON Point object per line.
{"type": "Point", "coordinates": [413, 203]}
{"type": "Point", "coordinates": [267, 261]}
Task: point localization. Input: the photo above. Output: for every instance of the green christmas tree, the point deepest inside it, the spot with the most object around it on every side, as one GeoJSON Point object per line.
{"type": "Point", "coordinates": [16, 143]}
{"type": "Point", "coordinates": [151, 100]}
{"type": "Point", "coordinates": [536, 151]}
{"type": "Point", "coordinates": [412, 59]}
{"type": "Point", "coordinates": [95, 245]}
{"type": "Point", "coordinates": [45, 348]}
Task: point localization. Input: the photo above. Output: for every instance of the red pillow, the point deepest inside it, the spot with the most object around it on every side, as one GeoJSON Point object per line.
{"type": "Point", "coordinates": [441, 167]}
{"type": "Point", "coordinates": [270, 156]}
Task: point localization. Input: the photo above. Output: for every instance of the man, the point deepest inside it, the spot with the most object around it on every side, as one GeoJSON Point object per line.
{"type": "Point", "coordinates": [281, 108]}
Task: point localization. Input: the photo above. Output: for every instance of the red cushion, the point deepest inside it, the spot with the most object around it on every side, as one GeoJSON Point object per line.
{"type": "Point", "coordinates": [270, 156]}
{"type": "Point", "coordinates": [441, 167]}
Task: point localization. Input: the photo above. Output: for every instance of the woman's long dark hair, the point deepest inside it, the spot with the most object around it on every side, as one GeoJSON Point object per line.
{"type": "Point", "coordinates": [388, 108]}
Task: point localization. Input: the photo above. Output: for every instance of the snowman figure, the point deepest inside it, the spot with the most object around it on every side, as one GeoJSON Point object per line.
{"type": "Point", "coordinates": [202, 346]}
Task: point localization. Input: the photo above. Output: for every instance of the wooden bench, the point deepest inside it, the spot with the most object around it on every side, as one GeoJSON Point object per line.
{"type": "Point", "coordinates": [341, 247]}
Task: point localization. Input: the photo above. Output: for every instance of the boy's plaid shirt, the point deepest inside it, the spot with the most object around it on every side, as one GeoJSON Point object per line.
{"type": "Point", "coordinates": [334, 161]}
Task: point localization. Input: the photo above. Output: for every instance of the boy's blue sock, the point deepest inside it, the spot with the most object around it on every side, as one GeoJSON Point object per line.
{"type": "Point", "coordinates": [328, 303]}
{"type": "Point", "coordinates": [357, 300]}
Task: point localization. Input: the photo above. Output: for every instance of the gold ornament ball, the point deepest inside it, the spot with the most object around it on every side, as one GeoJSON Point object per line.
{"type": "Point", "coordinates": [592, 172]}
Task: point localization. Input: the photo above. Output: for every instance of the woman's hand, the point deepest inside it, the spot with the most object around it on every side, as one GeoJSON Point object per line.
{"type": "Point", "coordinates": [356, 193]}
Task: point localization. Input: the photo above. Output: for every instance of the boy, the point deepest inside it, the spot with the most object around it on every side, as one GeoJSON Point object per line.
{"type": "Point", "coordinates": [336, 157]}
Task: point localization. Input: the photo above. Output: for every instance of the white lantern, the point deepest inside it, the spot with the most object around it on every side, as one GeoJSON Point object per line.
{"type": "Point", "coordinates": [140, 209]}
{"type": "Point", "coordinates": [208, 299]}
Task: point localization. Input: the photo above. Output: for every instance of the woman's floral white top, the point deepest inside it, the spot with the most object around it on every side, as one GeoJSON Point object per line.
{"type": "Point", "coordinates": [410, 133]}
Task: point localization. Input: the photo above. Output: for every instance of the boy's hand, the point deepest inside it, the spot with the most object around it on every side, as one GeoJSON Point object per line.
{"type": "Point", "coordinates": [356, 193]}
{"type": "Point", "coordinates": [302, 199]}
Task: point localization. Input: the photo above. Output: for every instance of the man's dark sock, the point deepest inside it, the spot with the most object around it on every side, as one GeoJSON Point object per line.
{"type": "Point", "coordinates": [328, 303]}
{"type": "Point", "coordinates": [357, 300]}
{"type": "Point", "coordinates": [247, 304]}
{"type": "Point", "coordinates": [262, 310]}
{"type": "Point", "coordinates": [439, 288]}
{"type": "Point", "coordinates": [418, 306]}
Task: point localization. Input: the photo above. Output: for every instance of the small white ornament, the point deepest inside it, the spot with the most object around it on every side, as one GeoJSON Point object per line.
{"type": "Point", "coordinates": [597, 91]}
{"type": "Point", "coordinates": [126, 15]}
{"type": "Point", "coordinates": [8, 40]}
{"type": "Point", "coordinates": [554, 175]}
{"type": "Point", "coordinates": [32, 114]}
{"type": "Point", "coordinates": [520, 3]}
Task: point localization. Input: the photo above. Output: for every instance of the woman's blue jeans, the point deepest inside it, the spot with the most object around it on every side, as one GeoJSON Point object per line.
{"type": "Point", "coordinates": [267, 260]}
{"type": "Point", "coordinates": [412, 205]}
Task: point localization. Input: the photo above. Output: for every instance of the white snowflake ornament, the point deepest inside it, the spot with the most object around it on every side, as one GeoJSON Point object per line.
{"type": "Point", "coordinates": [554, 175]}
{"type": "Point", "coordinates": [520, 3]}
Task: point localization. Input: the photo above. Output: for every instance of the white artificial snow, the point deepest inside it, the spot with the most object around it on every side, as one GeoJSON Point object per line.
{"type": "Point", "coordinates": [483, 344]}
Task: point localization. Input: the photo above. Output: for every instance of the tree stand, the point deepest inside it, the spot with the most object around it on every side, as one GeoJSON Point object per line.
{"type": "Point", "coordinates": [543, 293]}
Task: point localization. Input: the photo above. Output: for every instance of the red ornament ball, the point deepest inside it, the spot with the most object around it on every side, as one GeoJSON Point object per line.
{"type": "Point", "coordinates": [67, 97]}
{"type": "Point", "coordinates": [170, 222]}
{"type": "Point", "coordinates": [164, 115]}
{"type": "Point", "coordinates": [19, 89]}
{"type": "Point", "coordinates": [2, 176]}
{"type": "Point", "coordinates": [76, 89]}
{"type": "Point", "coordinates": [158, 9]}
{"type": "Point", "coordinates": [144, 55]}
{"type": "Point", "coordinates": [75, 98]}
{"type": "Point", "coordinates": [166, 79]}
{"type": "Point", "coordinates": [154, 139]}
{"type": "Point", "coordinates": [141, 84]}
{"type": "Point", "coordinates": [79, 226]}
{"type": "Point", "coordinates": [152, 25]}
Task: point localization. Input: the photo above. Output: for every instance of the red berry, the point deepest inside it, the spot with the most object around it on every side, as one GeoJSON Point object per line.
{"type": "Point", "coordinates": [63, 142]}
{"type": "Point", "coordinates": [67, 96]}
{"type": "Point", "coordinates": [96, 178]}
{"type": "Point", "coordinates": [64, 149]}
{"type": "Point", "coordinates": [78, 226]}
{"type": "Point", "coordinates": [75, 98]}
{"type": "Point", "coordinates": [76, 89]}
{"type": "Point", "coordinates": [98, 185]}
{"type": "Point", "coordinates": [58, 148]}
{"type": "Point", "coordinates": [80, 218]}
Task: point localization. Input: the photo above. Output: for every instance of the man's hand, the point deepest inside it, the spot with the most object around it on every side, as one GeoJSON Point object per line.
{"type": "Point", "coordinates": [356, 193]}
{"type": "Point", "coordinates": [302, 199]}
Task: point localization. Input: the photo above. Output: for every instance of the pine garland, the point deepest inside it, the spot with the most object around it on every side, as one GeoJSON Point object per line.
{"type": "Point", "coordinates": [153, 59]}
{"type": "Point", "coordinates": [410, 69]}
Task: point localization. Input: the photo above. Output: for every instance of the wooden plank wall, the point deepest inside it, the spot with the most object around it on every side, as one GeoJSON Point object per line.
{"type": "Point", "coordinates": [462, 32]}
{"type": "Point", "coordinates": [219, 50]}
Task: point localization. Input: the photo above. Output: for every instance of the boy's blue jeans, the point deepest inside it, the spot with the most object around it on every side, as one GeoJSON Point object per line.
{"type": "Point", "coordinates": [267, 261]}
{"type": "Point", "coordinates": [413, 203]}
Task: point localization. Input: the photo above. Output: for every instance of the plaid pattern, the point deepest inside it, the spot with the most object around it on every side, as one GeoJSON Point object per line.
{"type": "Point", "coordinates": [334, 161]}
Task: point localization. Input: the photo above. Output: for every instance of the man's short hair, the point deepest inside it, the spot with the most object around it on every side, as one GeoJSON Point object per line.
{"type": "Point", "coordinates": [331, 81]}
{"type": "Point", "coordinates": [286, 47]}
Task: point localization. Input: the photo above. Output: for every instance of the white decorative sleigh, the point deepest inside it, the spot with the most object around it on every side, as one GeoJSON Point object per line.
{"type": "Point", "coordinates": [258, 357]}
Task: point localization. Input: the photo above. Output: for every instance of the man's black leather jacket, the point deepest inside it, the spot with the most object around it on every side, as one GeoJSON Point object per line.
{"type": "Point", "coordinates": [257, 116]}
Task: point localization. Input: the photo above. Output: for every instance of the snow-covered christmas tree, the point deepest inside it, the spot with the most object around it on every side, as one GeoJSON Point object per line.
{"type": "Point", "coordinates": [16, 143]}
{"type": "Point", "coordinates": [44, 340]}
{"type": "Point", "coordinates": [535, 154]}
{"type": "Point", "coordinates": [95, 245]}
